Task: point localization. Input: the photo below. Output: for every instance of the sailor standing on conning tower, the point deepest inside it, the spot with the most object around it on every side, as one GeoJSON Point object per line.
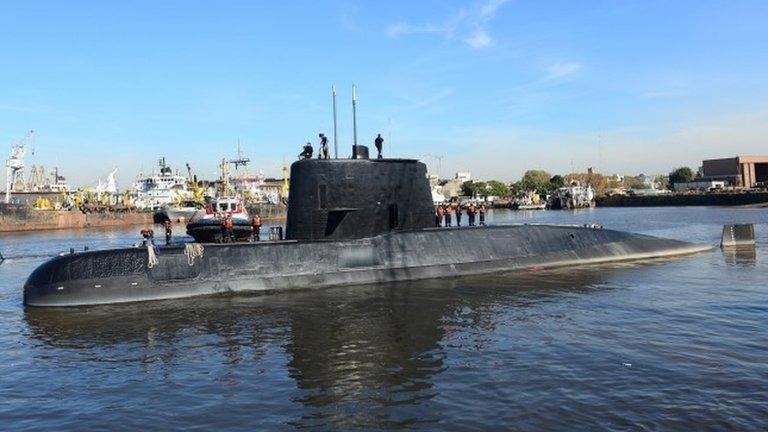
{"type": "Point", "coordinates": [379, 141]}
{"type": "Point", "coordinates": [323, 153]}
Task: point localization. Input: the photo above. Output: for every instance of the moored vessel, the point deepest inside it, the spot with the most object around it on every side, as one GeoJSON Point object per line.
{"type": "Point", "coordinates": [211, 227]}
{"type": "Point", "coordinates": [350, 221]}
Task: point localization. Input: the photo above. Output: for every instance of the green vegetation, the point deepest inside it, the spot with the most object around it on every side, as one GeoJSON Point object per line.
{"type": "Point", "coordinates": [473, 189]}
{"type": "Point", "coordinates": [536, 180]}
{"type": "Point", "coordinates": [635, 183]}
{"type": "Point", "coordinates": [681, 175]}
{"type": "Point", "coordinates": [482, 189]}
{"type": "Point", "coordinates": [497, 188]}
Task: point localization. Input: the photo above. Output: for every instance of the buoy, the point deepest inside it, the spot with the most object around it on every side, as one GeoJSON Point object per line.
{"type": "Point", "coordinates": [735, 235]}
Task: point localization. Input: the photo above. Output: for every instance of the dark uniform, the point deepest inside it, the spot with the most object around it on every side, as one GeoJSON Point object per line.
{"type": "Point", "coordinates": [168, 231]}
{"type": "Point", "coordinates": [307, 152]}
{"type": "Point", "coordinates": [379, 141]}
{"type": "Point", "coordinates": [323, 153]}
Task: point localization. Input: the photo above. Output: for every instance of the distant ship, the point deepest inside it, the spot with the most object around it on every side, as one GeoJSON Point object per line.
{"type": "Point", "coordinates": [156, 190]}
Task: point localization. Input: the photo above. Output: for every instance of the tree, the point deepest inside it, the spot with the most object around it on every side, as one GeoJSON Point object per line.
{"type": "Point", "coordinates": [536, 180]}
{"type": "Point", "coordinates": [681, 175]}
{"type": "Point", "coordinates": [635, 183]}
{"type": "Point", "coordinates": [516, 188]}
{"type": "Point", "coordinates": [497, 188]}
{"type": "Point", "coordinates": [471, 188]}
{"type": "Point", "coordinates": [557, 181]}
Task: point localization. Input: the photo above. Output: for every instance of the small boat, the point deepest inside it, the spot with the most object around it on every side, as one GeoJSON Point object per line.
{"type": "Point", "coordinates": [185, 210]}
{"type": "Point", "coordinates": [541, 206]}
{"type": "Point", "coordinates": [208, 228]}
{"type": "Point", "coordinates": [529, 201]}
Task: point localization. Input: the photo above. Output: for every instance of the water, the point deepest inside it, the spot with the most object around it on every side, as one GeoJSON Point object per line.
{"type": "Point", "coordinates": [674, 345]}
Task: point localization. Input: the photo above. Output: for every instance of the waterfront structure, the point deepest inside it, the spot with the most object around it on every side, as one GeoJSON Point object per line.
{"type": "Point", "coordinates": [738, 171]}
{"type": "Point", "coordinates": [699, 185]}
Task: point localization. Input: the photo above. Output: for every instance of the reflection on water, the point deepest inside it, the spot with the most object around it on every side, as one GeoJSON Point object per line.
{"type": "Point", "coordinates": [740, 256]}
{"type": "Point", "coordinates": [377, 345]}
{"type": "Point", "coordinates": [669, 344]}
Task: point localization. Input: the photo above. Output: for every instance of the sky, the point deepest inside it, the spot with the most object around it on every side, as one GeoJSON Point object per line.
{"type": "Point", "coordinates": [493, 87]}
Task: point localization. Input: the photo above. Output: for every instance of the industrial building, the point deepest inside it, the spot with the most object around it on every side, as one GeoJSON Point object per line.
{"type": "Point", "coordinates": [739, 171]}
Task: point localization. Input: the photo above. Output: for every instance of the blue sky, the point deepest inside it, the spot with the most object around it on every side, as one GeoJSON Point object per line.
{"type": "Point", "coordinates": [493, 87]}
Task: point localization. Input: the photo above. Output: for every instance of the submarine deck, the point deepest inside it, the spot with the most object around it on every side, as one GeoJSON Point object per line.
{"type": "Point", "coordinates": [122, 275]}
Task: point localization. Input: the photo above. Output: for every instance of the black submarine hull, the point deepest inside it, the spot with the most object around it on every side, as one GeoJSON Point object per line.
{"type": "Point", "coordinates": [122, 275]}
{"type": "Point", "coordinates": [210, 231]}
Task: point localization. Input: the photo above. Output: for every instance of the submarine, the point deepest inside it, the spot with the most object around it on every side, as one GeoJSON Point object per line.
{"type": "Point", "coordinates": [350, 222]}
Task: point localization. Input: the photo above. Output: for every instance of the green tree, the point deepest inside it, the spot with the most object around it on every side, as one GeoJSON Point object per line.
{"type": "Point", "coordinates": [681, 175]}
{"type": "Point", "coordinates": [536, 180]}
{"type": "Point", "coordinates": [516, 188]}
{"type": "Point", "coordinates": [497, 188]}
{"type": "Point", "coordinates": [557, 181]}
{"type": "Point", "coordinates": [473, 188]}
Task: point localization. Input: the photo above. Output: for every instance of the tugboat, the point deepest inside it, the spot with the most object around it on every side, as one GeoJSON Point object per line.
{"type": "Point", "coordinates": [350, 222]}
{"type": "Point", "coordinates": [208, 227]}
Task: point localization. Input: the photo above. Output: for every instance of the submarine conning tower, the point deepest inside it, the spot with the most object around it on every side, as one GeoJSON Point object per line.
{"type": "Point", "coordinates": [338, 199]}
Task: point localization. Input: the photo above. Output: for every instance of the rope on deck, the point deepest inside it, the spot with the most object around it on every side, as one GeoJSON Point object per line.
{"type": "Point", "coordinates": [151, 256]}
{"type": "Point", "coordinates": [192, 251]}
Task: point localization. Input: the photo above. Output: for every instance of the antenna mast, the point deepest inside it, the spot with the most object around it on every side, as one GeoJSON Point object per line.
{"type": "Point", "coordinates": [354, 115]}
{"type": "Point", "coordinates": [335, 138]}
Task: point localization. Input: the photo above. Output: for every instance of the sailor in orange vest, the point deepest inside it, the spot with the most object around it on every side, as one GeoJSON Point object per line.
{"type": "Point", "coordinates": [448, 210]}
{"type": "Point", "coordinates": [149, 236]}
{"type": "Point", "coordinates": [471, 211]}
{"type": "Point", "coordinates": [458, 214]}
{"type": "Point", "coordinates": [226, 230]}
{"type": "Point", "coordinates": [256, 225]}
{"type": "Point", "coordinates": [439, 215]}
{"type": "Point", "coordinates": [482, 214]}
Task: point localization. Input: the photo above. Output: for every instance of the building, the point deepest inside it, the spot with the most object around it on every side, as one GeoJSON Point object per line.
{"type": "Point", "coordinates": [740, 171]}
{"type": "Point", "coordinates": [463, 176]}
{"type": "Point", "coordinates": [699, 185]}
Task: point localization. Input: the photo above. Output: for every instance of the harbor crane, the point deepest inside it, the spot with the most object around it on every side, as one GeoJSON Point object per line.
{"type": "Point", "coordinates": [14, 166]}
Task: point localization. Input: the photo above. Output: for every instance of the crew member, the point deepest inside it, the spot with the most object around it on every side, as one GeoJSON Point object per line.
{"type": "Point", "coordinates": [458, 215]}
{"type": "Point", "coordinates": [168, 231]}
{"type": "Point", "coordinates": [471, 211]}
{"type": "Point", "coordinates": [148, 235]}
{"type": "Point", "coordinates": [307, 152]}
{"type": "Point", "coordinates": [448, 212]}
{"type": "Point", "coordinates": [323, 153]}
{"type": "Point", "coordinates": [482, 214]}
{"type": "Point", "coordinates": [379, 141]}
{"type": "Point", "coordinates": [256, 225]}
{"type": "Point", "coordinates": [228, 227]}
{"type": "Point", "coordinates": [439, 215]}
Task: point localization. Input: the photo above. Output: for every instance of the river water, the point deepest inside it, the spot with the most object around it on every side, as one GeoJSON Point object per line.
{"type": "Point", "coordinates": [679, 344]}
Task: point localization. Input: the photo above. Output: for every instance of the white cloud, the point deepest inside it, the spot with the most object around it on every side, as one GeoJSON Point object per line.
{"type": "Point", "coordinates": [481, 39]}
{"type": "Point", "coordinates": [561, 70]}
{"type": "Point", "coordinates": [468, 24]}
{"type": "Point", "coordinates": [403, 29]}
